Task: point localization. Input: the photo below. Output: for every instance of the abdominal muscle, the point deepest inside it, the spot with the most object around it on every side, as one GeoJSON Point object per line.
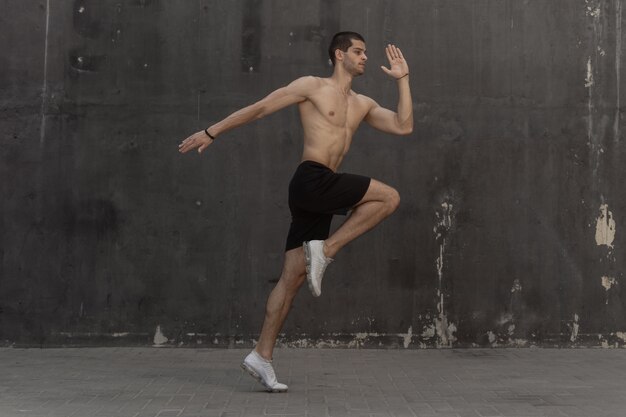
{"type": "Point", "coordinates": [328, 151]}
{"type": "Point", "coordinates": [324, 142]}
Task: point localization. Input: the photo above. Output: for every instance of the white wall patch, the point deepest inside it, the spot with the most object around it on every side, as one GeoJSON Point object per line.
{"type": "Point", "coordinates": [159, 337]}
{"type": "Point", "coordinates": [589, 79]}
{"type": "Point", "coordinates": [605, 227]}
{"type": "Point", "coordinates": [608, 282]}
{"type": "Point", "coordinates": [407, 337]}
{"type": "Point", "coordinates": [592, 8]}
{"type": "Point", "coordinates": [575, 328]}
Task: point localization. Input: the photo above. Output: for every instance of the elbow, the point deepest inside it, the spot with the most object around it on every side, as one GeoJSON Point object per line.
{"type": "Point", "coordinates": [260, 112]}
{"type": "Point", "coordinates": [407, 130]}
{"type": "Point", "coordinates": [404, 127]}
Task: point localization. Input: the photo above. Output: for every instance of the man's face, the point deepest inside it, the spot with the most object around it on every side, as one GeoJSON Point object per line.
{"type": "Point", "coordinates": [354, 58]}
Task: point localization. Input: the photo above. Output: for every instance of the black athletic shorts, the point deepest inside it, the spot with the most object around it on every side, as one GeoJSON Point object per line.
{"type": "Point", "coordinates": [315, 194]}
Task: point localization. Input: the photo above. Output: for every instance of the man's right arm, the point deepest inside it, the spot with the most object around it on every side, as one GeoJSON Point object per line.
{"type": "Point", "coordinates": [293, 93]}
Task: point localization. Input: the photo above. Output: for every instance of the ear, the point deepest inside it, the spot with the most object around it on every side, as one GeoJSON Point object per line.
{"type": "Point", "coordinates": [338, 55]}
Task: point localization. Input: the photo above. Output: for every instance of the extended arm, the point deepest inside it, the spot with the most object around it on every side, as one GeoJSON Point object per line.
{"type": "Point", "coordinates": [400, 122]}
{"type": "Point", "coordinates": [293, 93]}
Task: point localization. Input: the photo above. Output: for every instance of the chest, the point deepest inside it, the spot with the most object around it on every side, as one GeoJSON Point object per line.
{"type": "Point", "coordinates": [339, 109]}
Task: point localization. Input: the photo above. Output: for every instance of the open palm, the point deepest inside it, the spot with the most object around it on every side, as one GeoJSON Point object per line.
{"type": "Point", "coordinates": [398, 66]}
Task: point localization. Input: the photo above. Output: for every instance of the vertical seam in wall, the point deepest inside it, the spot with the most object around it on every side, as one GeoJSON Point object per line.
{"type": "Point", "coordinates": [197, 21]}
{"type": "Point", "coordinates": [44, 89]}
{"type": "Point", "coordinates": [618, 58]}
{"type": "Point", "coordinates": [509, 6]}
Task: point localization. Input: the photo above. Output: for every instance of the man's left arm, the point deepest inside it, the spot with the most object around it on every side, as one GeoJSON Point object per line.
{"type": "Point", "coordinates": [400, 122]}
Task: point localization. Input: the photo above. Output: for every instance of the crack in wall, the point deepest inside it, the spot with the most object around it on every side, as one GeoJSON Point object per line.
{"type": "Point", "coordinates": [44, 89]}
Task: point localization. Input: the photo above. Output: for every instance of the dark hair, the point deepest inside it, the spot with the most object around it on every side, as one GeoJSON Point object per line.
{"type": "Point", "coordinates": [342, 41]}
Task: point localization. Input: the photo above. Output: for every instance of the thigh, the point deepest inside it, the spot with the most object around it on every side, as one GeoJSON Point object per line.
{"type": "Point", "coordinates": [378, 191]}
{"type": "Point", "coordinates": [307, 226]}
{"type": "Point", "coordinates": [326, 192]}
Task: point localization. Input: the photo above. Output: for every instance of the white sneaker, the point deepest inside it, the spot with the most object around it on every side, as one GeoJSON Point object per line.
{"type": "Point", "coordinates": [316, 263]}
{"type": "Point", "coordinates": [261, 369]}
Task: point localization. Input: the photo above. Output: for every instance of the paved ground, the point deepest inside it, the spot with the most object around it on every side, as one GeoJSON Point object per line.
{"type": "Point", "coordinates": [150, 382]}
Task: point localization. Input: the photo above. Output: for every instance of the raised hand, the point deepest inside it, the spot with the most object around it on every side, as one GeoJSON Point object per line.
{"type": "Point", "coordinates": [198, 140]}
{"type": "Point", "coordinates": [398, 66]}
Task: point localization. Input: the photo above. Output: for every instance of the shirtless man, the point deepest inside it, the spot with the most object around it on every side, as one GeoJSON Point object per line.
{"type": "Point", "coordinates": [330, 112]}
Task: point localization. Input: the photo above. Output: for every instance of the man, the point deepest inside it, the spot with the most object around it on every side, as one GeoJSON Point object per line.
{"type": "Point", "coordinates": [330, 113]}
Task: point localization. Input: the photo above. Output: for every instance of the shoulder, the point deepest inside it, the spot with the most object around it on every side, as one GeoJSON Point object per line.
{"type": "Point", "coordinates": [303, 86]}
{"type": "Point", "coordinates": [308, 81]}
{"type": "Point", "coordinates": [366, 101]}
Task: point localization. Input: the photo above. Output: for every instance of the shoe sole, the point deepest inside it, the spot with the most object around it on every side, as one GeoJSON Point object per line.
{"type": "Point", "coordinates": [256, 376]}
{"type": "Point", "coordinates": [309, 280]}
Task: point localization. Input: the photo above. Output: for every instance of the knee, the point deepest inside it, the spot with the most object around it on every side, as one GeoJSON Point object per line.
{"type": "Point", "coordinates": [293, 282]}
{"type": "Point", "coordinates": [393, 199]}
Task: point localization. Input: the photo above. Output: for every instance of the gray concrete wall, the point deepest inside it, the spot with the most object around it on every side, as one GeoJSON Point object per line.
{"type": "Point", "coordinates": [510, 230]}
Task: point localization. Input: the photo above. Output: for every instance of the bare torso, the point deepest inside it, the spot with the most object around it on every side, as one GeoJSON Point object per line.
{"type": "Point", "coordinates": [329, 118]}
{"type": "Point", "coordinates": [329, 110]}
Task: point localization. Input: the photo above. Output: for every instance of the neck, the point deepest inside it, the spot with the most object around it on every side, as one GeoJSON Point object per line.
{"type": "Point", "coordinates": [343, 79]}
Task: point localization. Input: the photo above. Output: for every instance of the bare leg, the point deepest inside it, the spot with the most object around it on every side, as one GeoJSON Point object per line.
{"type": "Point", "coordinates": [379, 201]}
{"type": "Point", "coordinates": [280, 299]}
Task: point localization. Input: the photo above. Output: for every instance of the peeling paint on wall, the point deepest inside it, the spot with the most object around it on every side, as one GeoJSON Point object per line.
{"type": "Point", "coordinates": [407, 337]}
{"type": "Point", "coordinates": [159, 337]}
{"type": "Point", "coordinates": [605, 227]}
{"type": "Point", "coordinates": [590, 137]}
{"type": "Point", "coordinates": [429, 332]}
{"type": "Point", "coordinates": [608, 282]}
{"type": "Point", "coordinates": [511, 329]}
{"type": "Point", "coordinates": [589, 78]}
{"type": "Point", "coordinates": [592, 9]}
{"type": "Point", "coordinates": [444, 329]}
{"type": "Point", "coordinates": [359, 339]}
{"type": "Point", "coordinates": [505, 318]}
{"type": "Point", "coordinates": [605, 235]}
{"type": "Point", "coordinates": [575, 328]}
